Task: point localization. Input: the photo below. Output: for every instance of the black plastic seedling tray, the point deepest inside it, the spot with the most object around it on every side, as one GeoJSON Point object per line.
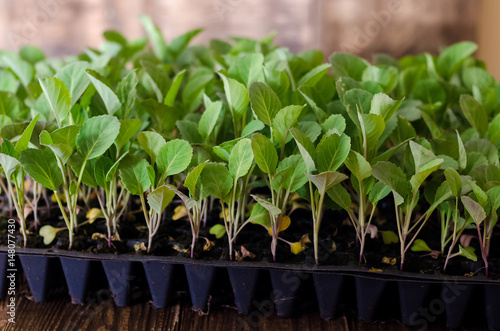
{"type": "Point", "coordinates": [422, 298]}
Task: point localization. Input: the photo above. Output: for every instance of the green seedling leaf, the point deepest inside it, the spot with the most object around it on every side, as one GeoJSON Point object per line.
{"type": "Point", "coordinates": [306, 149]}
{"type": "Point", "coordinates": [112, 171]}
{"type": "Point", "coordinates": [468, 252]}
{"type": "Point", "coordinates": [389, 174]}
{"type": "Point", "coordinates": [340, 196]}
{"type": "Point", "coordinates": [281, 178]}
{"type": "Point", "coordinates": [248, 69]}
{"type": "Point", "coordinates": [389, 237]}
{"type": "Point", "coordinates": [475, 114]}
{"type": "Point", "coordinates": [134, 175]}
{"type": "Point", "coordinates": [24, 140]}
{"type": "Point", "coordinates": [158, 43]}
{"type": "Point", "coordinates": [462, 154]}
{"type": "Point", "coordinates": [23, 70]}
{"type": "Point", "coordinates": [236, 95]}
{"type": "Point", "coordinates": [283, 121]}
{"type": "Point", "coordinates": [251, 127]}
{"type": "Point", "coordinates": [346, 65]}
{"type": "Point", "coordinates": [332, 151]}
{"type": "Point", "coordinates": [174, 89]}
{"type": "Point", "coordinates": [189, 131]}
{"type": "Point", "coordinates": [192, 178]}
{"type": "Point", "coordinates": [86, 174]}
{"type": "Point", "coordinates": [260, 215]}
{"type": "Point", "coordinates": [384, 106]}
{"type": "Point", "coordinates": [494, 199]}
{"type": "Point", "coordinates": [357, 101]}
{"type": "Point", "coordinates": [424, 172]}
{"type": "Point", "coordinates": [66, 135]}
{"type": "Point", "coordinates": [454, 180]}
{"type": "Point", "coordinates": [179, 44]}
{"type": "Point", "coordinates": [41, 165]}
{"type": "Point", "coordinates": [9, 164]}
{"type": "Point", "coordinates": [358, 166]}
{"type": "Point", "coordinates": [474, 209]}
{"type": "Point", "coordinates": [209, 119]}
{"type": "Point", "coordinates": [265, 154]}
{"type": "Point", "coordinates": [111, 101]}
{"type": "Point", "coordinates": [420, 246]}
{"type": "Point", "coordinates": [272, 209]}
{"type": "Point", "coordinates": [97, 135]}
{"type": "Point", "coordinates": [378, 192]}
{"type": "Point", "coordinates": [216, 181]}
{"type": "Point", "coordinates": [174, 157]}
{"type": "Point", "coordinates": [159, 199]}
{"type": "Point", "coordinates": [58, 97]}
{"type": "Point", "coordinates": [152, 142]}
{"type": "Point", "coordinates": [265, 102]}
{"type": "Point", "coordinates": [334, 124]}
{"type": "Point", "coordinates": [218, 230]}
{"type": "Point", "coordinates": [372, 127]}
{"type": "Point", "coordinates": [241, 158]}
{"type": "Point", "coordinates": [102, 167]}
{"type": "Point", "coordinates": [312, 77]}
{"type": "Point", "coordinates": [481, 196]}
{"type": "Point", "coordinates": [75, 78]}
{"type": "Point", "coordinates": [128, 128]}
{"type": "Point", "coordinates": [326, 180]}
{"type": "Point", "coordinates": [453, 57]}
{"type": "Point", "coordinates": [297, 179]}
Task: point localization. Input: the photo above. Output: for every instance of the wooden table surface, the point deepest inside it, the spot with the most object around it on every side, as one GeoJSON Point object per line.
{"type": "Point", "coordinates": [60, 314]}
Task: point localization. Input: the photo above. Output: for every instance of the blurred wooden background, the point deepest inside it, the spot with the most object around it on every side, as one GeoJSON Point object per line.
{"type": "Point", "coordinates": [363, 27]}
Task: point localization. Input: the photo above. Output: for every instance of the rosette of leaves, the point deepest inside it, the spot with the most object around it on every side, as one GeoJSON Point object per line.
{"type": "Point", "coordinates": [138, 175]}
{"type": "Point", "coordinates": [419, 163]}
{"type": "Point", "coordinates": [15, 173]}
{"type": "Point", "coordinates": [228, 184]}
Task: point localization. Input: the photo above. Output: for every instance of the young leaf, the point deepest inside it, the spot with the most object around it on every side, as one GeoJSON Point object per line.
{"type": "Point", "coordinates": [112, 171]}
{"type": "Point", "coordinates": [236, 95]}
{"type": "Point", "coordinates": [156, 37]}
{"type": "Point", "coordinates": [264, 153]}
{"type": "Point", "coordinates": [312, 77]}
{"type": "Point", "coordinates": [452, 58]}
{"type": "Point", "coordinates": [58, 97]}
{"type": "Point", "coordinates": [454, 180]}
{"type": "Point", "coordinates": [241, 158]}
{"type": "Point", "coordinates": [134, 175]}
{"type": "Point", "coordinates": [209, 119]}
{"type": "Point", "coordinates": [384, 106]}
{"type": "Point", "coordinates": [128, 128]}
{"type": "Point", "coordinates": [297, 179]}
{"type": "Point", "coordinates": [358, 165]}
{"type": "Point", "coordinates": [247, 69]}
{"type": "Point", "coordinates": [389, 237]}
{"type": "Point", "coordinates": [8, 164]}
{"type": "Point", "coordinates": [23, 70]}
{"type": "Point", "coordinates": [260, 215]}
{"type": "Point", "coordinates": [306, 148]}
{"type": "Point", "coordinates": [372, 126]}
{"type": "Point", "coordinates": [151, 142]}
{"type": "Point", "coordinates": [102, 167]}
{"type": "Point", "coordinates": [97, 135]}
{"type": "Point", "coordinates": [467, 252]}
{"type": "Point", "coordinates": [216, 181]}
{"type": "Point", "coordinates": [474, 209]}
{"type": "Point", "coordinates": [23, 142]}
{"type": "Point", "coordinates": [218, 230]}
{"type": "Point", "coordinates": [332, 151]}
{"type": "Point", "coordinates": [475, 113]}
{"type": "Point", "coordinates": [192, 178]}
{"type": "Point", "coordinates": [174, 89]}
{"type": "Point", "coordinates": [378, 192]}
{"type": "Point", "coordinates": [340, 196]}
{"type": "Point", "coordinates": [107, 95]}
{"type": "Point", "coordinates": [389, 174]}
{"type": "Point", "coordinates": [159, 199]}
{"type": "Point", "coordinates": [326, 180]}
{"type": "Point", "coordinates": [41, 165]}
{"type": "Point", "coordinates": [420, 246]}
{"type": "Point", "coordinates": [346, 65]}
{"type": "Point", "coordinates": [75, 78]}
{"type": "Point", "coordinates": [462, 154]}
{"type": "Point", "coordinates": [272, 209]}
{"type": "Point", "coordinates": [283, 121]}
{"type": "Point", "coordinates": [265, 102]}
{"type": "Point", "coordinates": [174, 157]}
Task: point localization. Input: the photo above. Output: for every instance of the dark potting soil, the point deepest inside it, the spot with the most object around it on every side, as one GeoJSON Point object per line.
{"type": "Point", "coordinates": [337, 244]}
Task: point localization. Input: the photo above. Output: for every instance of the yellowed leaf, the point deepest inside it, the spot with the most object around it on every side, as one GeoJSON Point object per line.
{"type": "Point", "coordinates": [375, 270]}
{"type": "Point", "coordinates": [208, 245]}
{"type": "Point", "coordinates": [388, 260]}
{"type": "Point", "coordinates": [246, 253]}
{"type": "Point", "coordinates": [179, 212]}
{"type": "Point", "coordinates": [140, 247]}
{"type": "Point", "coordinates": [94, 214]}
